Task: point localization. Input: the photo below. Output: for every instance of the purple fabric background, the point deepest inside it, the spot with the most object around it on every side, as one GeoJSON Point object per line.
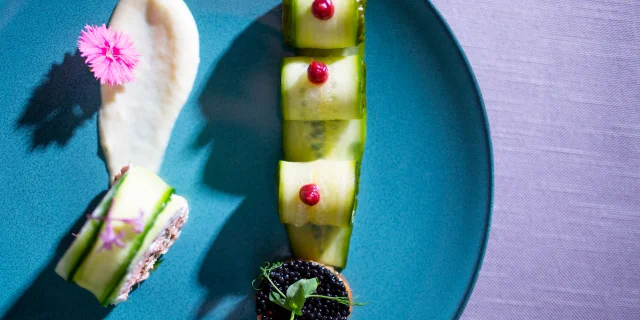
{"type": "Point", "coordinates": [561, 83]}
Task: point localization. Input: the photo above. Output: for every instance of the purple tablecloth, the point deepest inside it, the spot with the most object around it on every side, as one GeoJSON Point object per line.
{"type": "Point", "coordinates": [561, 83]}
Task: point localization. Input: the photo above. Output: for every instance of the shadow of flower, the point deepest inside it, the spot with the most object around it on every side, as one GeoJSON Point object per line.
{"type": "Point", "coordinates": [69, 96]}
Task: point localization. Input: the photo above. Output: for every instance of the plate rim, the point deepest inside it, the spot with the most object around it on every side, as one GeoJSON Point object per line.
{"type": "Point", "coordinates": [489, 146]}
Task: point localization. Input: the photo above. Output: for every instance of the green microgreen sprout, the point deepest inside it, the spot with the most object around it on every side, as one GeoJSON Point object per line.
{"type": "Point", "coordinates": [297, 293]}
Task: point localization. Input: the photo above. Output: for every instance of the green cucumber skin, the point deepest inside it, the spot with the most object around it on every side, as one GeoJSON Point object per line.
{"type": "Point", "coordinates": [363, 86]}
{"type": "Point", "coordinates": [124, 267]}
{"type": "Point", "coordinates": [362, 83]}
{"type": "Point", "coordinates": [288, 22]}
{"type": "Point", "coordinates": [362, 29]}
{"type": "Point", "coordinates": [359, 161]}
{"type": "Point", "coordinates": [289, 25]}
{"type": "Point", "coordinates": [98, 226]}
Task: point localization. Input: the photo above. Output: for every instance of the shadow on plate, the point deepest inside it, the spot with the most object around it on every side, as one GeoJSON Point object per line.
{"type": "Point", "coordinates": [50, 297]}
{"type": "Point", "coordinates": [241, 104]}
{"type": "Point", "coordinates": [69, 96]}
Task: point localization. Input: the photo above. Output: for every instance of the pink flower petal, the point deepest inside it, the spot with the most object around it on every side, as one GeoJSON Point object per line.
{"type": "Point", "coordinates": [110, 238]}
{"type": "Point", "coordinates": [109, 53]}
{"type": "Point", "coordinates": [137, 223]}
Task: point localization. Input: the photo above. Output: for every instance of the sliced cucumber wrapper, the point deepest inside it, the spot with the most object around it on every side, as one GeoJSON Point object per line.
{"type": "Point", "coordinates": [328, 245]}
{"type": "Point", "coordinates": [301, 29]}
{"type": "Point", "coordinates": [100, 270]}
{"type": "Point", "coordinates": [341, 97]}
{"type": "Point", "coordinates": [336, 181]}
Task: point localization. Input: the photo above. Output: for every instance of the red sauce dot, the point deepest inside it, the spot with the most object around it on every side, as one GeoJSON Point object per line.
{"type": "Point", "coordinates": [310, 194]}
{"type": "Point", "coordinates": [318, 72]}
{"type": "Point", "coordinates": [323, 9]}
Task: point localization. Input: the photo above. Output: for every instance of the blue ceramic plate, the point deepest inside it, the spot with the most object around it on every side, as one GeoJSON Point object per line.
{"type": "Point", "coordinates": [424, 209]}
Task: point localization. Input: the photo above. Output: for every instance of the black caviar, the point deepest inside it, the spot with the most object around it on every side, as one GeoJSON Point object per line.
{"type": "Point", "coordinates": [314, 308]}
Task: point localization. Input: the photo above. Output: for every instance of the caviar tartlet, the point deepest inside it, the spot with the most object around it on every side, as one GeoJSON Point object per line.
{"type": "Point", "coordinates": [328, 295]}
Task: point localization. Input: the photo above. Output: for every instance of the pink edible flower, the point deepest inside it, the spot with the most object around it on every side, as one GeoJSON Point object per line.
{"type": "Point", "coordinates": [109, 53]}
{"type": "Point", "coordinates": [137, 223]}
{"type": "Point", "coordinates": [110, 237]}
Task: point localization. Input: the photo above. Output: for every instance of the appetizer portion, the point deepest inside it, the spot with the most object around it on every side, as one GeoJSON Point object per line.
{"type": "Point", "coordinates": [136, 222]}
{"type": "Point", "coordinates": [303, 290]}
{"type": "Point", "coordinates": [326, 88]}
{"type": "Point", "coordinates": [136, 119]}
{"type": "Point", "coordinates": [323, 24]}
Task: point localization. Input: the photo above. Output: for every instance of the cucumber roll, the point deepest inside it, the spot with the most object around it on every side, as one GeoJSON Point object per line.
{"type": "Point", "coordinates": [324, 88]}
{"type": "Point", "coordinates": [335, 186]}
{"type": "Point", "coordinates": [323, 24]}
{"type": "Point", "coordinates": [136, 222]}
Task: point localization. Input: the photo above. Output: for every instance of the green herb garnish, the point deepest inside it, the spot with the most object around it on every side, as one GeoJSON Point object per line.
{"type": "Point", "coordinates": [158, 263]}
{"type": "Point", "coordinates": [297, 293]}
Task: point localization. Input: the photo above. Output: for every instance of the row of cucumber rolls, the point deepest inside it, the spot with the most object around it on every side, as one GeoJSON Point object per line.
{"type": "Point", "coordinates": [324, 126]}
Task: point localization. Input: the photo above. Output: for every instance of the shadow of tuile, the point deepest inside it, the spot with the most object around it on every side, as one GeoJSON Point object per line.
{"type": "Point", "coordinates": [241, 103]}
{"type": "Point", "coordinates": [51, 297]}
{"type": "Point", "coordinates": [69, 96]}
